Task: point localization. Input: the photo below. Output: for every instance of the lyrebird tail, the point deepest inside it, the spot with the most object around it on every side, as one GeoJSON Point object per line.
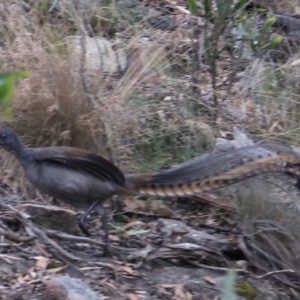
{"type": "Point", "coordinates": [216, 170]}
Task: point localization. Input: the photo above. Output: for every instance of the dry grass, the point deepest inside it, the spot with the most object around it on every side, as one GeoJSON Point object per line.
{"type": "Point", "coordinates": [139, 120]}
{"type": "Point", "coordinates": [268, 215]}
{"type": "Point", "coordinates": [154, 115]}
{"type": "Point", "coordinates": [274, 90]}
{"type": "Point", "coordinates": [285, 6]}
{"type": "Point", "coordinates": [269, 210]}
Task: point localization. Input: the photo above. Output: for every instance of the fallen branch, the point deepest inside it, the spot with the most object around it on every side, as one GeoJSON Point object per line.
{"type": "Point", "coordinates": [217, 268]}
{"type": "Point", "coordinates": [275, 272]}
{"type": "Point", "coordinates": [70, 237]}
{"type": "Point", "coordinates": [66, 236]}
{"type": "Point", "coordinates": [15, 237]}
{"type": "Point", "coordinates": [248, 255]}
{"type": "Point", "coordinates": [35, 231]}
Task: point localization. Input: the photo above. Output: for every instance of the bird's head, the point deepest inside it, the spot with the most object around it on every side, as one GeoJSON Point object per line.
{"type": "Point", "coordinates": [9, 139]}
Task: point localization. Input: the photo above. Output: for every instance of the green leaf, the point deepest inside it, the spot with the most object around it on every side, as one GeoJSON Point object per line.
{"type": "Point", "coordinates": [239, 5]}
{"type": "Point", "coordinates": [7, 112]}
{"type": "Point", "coordinates": [224, 8]}
{"type": "Point", "coordinates": [242, 17]}
{"type": "Point", "coordinates": [273, 43]}
{"type": "Point", "coordinates": [207, 9]}
{"type": "Point", "coordinates": [277, 40]}
{"type": "Point", "coordinates": [192, 4]}
{"type": "Point", "coordinates": [18, 74]}
{"type": "Point", "coordinates": [260, 10]}
{"type": "Point", "coordinates": [229, 288]}
{"type": "Point", "coordinates": [136, 231]}
{"type": "Point", "coordinates": [6, 91]}
{"type": "Point", "coordinates": [268, 24]}
{"type": "Point", "coordinates": [7, 81]}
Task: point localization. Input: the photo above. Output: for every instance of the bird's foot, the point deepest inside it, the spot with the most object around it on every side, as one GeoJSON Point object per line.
{"type": "Point", "coordinates": [83, 229]}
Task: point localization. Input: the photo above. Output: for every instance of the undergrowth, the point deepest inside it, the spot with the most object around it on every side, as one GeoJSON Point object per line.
{"type": "Point", "coordinates": [138, 120]}
{"type": "Point", "coordinates": [268, 215]}
{"type": "Point", "coordinates": [159, 111]}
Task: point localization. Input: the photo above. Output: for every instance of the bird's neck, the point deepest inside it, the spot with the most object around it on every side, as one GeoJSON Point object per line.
{"type": "Point", "coordinates": [20, 152]}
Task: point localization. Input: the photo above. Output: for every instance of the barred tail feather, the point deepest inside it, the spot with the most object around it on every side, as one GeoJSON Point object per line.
{"type": "Point", "coordinates": [209, 173]}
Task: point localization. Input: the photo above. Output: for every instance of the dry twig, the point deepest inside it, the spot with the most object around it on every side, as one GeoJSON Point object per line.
{"type": "Point", "coordinates": [35, 231]}
{"type": "Point", "coordinates": [15, 237]}
{"type": "Point", "coordinates": [275, 272]}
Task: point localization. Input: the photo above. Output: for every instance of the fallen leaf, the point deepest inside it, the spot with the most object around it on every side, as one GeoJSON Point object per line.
{"type": "Point", "coordinates": [295, 63]}
{"type": "Point", "coordinates": [56, 270]}
{"type": "Point", "coordinates": [214, 199]}
{"type": "Point", "coordinates": [20, 279]}
{"type": "Point", "coordinates": [179, 292]}
{"type": "Point", "coordinates": [41, 262]}
{"type": "Point", "coordinates": [132, 296]}
{"type": "Point", "coordinates": [179, 233]}
{"type": "Point", "coordinates": [209, 279]}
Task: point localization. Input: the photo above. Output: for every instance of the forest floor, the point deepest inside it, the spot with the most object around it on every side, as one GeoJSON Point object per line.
{"type": "Point", "coordinates": [180, 249]}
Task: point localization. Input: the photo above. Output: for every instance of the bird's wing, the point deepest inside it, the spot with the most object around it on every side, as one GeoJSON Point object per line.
{"type": "Point", "coordinates": [80, 160]}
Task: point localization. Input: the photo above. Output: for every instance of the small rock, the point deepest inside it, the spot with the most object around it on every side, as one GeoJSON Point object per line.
{"type": "Point", "coordinates": [53, 217]}
{"type": "Point", "coordinates": [162, 22]}
{"type": "Point", "coordinates": [198, 236]}
{"type": "Point", "coordinates": [242, 263]}
{"type": "Point", "coordinates": [235, 112]}
{"type": "Point", "coordinates": [68, 288]}
{"type": "Point", "coordinates": [99, 55]}
{"type": "Point", "coordinates": [240, 140]}
{"type": "Point", "coordinates": [168, 98]}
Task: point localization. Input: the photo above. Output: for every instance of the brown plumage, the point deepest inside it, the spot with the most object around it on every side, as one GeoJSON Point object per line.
{"type": "Point", "coordinates": [216, 171]}
{"type": "Point", "coordinates": [85, 180]}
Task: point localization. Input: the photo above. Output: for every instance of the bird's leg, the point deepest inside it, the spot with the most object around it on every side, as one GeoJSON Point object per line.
{"type": "Point", "coordinates": [103, 216]}
{"type": "Point", "coordinates": [84, 216]}
{"type": "Point", "coordinates": [55, 201]}
{"type": "Point", "coordinates": [297, 184]}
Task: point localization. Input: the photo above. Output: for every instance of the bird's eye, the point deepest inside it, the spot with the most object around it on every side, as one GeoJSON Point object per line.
{"type": "Point", "coordinates": [3, 135]}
